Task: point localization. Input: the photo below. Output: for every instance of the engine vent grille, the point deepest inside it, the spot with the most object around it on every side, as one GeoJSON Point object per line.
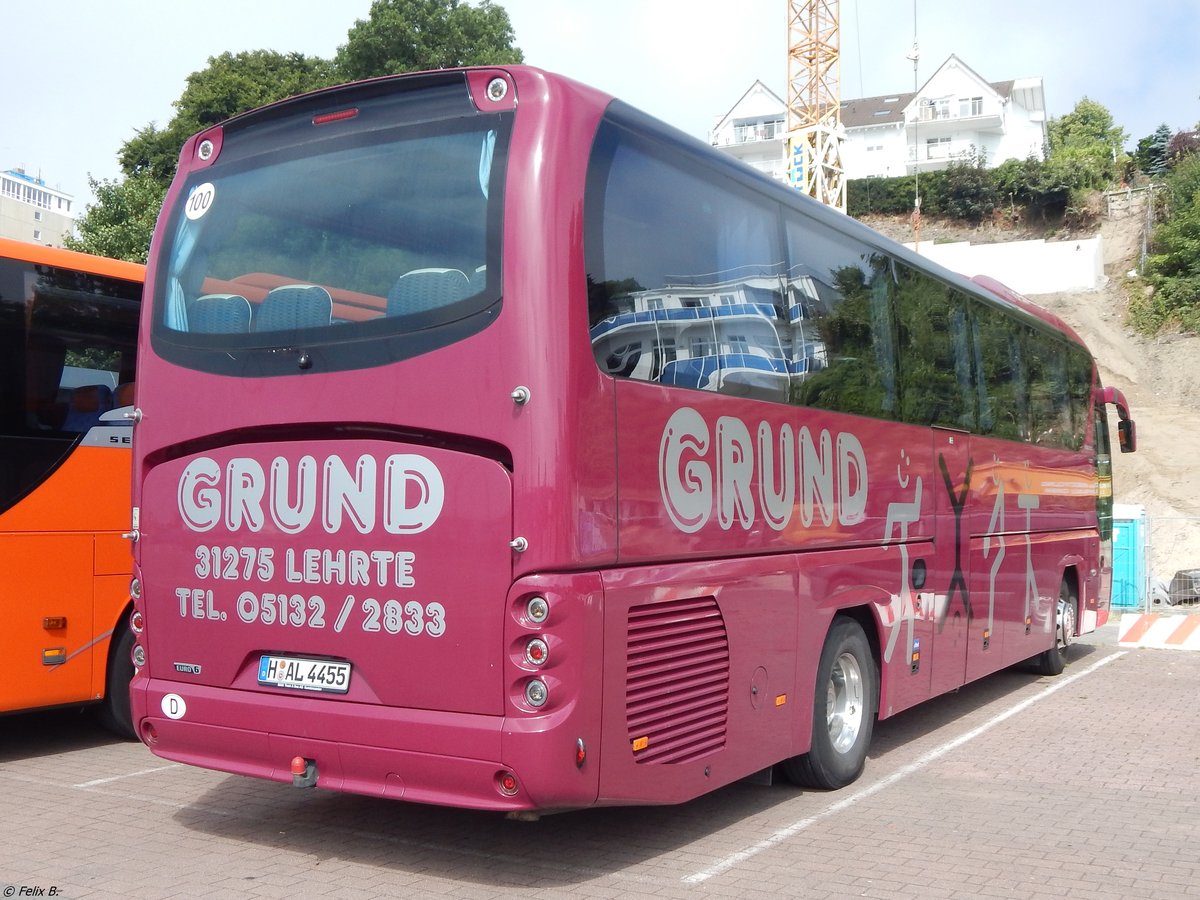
{"type": "Point", "coordinates": [677, 680]}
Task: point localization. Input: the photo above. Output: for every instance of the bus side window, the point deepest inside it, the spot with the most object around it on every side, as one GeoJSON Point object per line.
{"type": "Point", "coordinates": [1004, 380]}
{"type": "Point", "coordinates": [935, 357]}
{"type": "Point", "coordinates": [1079, 377]}
{"type": "Point", "coordinates": [65, 334]}
{"type": "Point", "coordinates": [1049, 398]}
{"type": "Point", "coordinates": [686, 281]}
{"type": "Point", "coordinates": [843, 340]}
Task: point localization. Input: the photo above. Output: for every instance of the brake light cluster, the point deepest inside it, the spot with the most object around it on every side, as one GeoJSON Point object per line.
{"type": "Point", "coordinates": [534, 651]}
{"type": "Point", "coordinates": [137, 622]}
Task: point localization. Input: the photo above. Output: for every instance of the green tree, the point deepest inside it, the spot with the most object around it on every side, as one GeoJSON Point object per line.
{"type": "Point", "coordinates": [230, 84]}
{"type": "Point", "coordinates": [1087, 139]}
{"type": "Point", "coordinates": [121, 221]}
{"type": "Point", "coordinates": [1151, 152]}
{"type": "Point", "coordinates": [235, 82]}
{"type": "Point", "coordinates": [397, 36]}
{"type": "Point", "coordinates": [1087, 125]}
{"type": "Point", "coordinates": [411, 35]}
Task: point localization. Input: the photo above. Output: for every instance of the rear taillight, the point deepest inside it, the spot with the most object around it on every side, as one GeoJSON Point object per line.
{"type": "Point", "coordinates": [537, 652]}
{"type": "Point", "coordinates": [536, 693]}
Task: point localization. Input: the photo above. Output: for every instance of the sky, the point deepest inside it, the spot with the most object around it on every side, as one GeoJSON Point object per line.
{"type": "Point", "coordinates": [80, 77]}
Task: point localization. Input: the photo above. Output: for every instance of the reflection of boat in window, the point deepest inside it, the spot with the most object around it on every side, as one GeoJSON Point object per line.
{"type": "Point", "coordinates": [751, 336]}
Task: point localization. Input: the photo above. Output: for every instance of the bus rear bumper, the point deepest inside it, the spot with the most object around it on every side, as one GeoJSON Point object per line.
{"type": "Point", "coordinates": [403, 754]}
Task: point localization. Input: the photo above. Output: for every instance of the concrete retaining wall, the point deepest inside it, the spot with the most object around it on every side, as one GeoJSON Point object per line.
{"type": "Point", "coordinates": [1028, 267]}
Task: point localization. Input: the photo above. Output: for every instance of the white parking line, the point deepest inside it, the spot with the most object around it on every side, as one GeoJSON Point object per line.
{"type": "Point", "coordinates": [99, 781]}
{"type": "Point", "coordinates": [912, 768]}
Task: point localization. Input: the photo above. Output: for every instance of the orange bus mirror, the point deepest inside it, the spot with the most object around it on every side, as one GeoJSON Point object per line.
{"type": "Point", "coordinates": [1127, 435]}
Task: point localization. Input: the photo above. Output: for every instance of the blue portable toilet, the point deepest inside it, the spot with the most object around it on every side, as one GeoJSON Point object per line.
{"type": "Point", "coordinates": [1131, 536]}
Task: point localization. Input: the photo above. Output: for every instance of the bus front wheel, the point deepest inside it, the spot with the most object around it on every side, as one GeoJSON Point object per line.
{"type": "Point", "coordinates": [1054, 660]}
{"type": "Point", "coordinates": [843, 711]}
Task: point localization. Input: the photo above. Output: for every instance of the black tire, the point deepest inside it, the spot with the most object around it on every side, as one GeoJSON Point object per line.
{"type": "Point", "coordinates": [1054, 660]}
{"type": "Point", "coordinates": [114, 711]}
{"type": "Point", "coordinates": [844, 707]}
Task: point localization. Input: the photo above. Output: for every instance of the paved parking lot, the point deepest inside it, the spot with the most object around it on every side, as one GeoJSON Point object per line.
{"type": "Point", "coordinates": [1084, 785]}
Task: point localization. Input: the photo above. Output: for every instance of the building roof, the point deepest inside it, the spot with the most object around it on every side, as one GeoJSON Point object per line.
{"type": "Point", "coordinates": [888, 109]}
{"type": "Point", "coordinates": [759, 88]}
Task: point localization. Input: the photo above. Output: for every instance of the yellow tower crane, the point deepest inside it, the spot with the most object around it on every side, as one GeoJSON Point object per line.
{"type": "Point", "coordinates": [814, 112]}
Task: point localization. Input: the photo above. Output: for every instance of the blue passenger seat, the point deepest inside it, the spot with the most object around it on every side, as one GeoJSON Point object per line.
{"type": "Point", "coordinates": [424, 289]}
{"type": "Point", "coordinates": [87, 404]}
{"type": "Point", "coordinates": [219, 314]}
{"type": "Point", "coordinates": [123, 395]}
{"type": "Point", "coordinates": [294, 306]}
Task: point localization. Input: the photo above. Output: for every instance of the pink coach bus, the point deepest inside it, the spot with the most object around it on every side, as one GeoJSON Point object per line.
{"type": "Point", "coordinates": [499, 446]}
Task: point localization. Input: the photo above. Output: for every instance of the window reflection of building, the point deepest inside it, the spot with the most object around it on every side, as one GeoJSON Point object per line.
{"type": "Point", "coordinates": [750, 334]}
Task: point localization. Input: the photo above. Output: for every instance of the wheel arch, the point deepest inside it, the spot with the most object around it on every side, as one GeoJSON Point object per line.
{"type": "Point", "coordinates": [1072, 579]}
{"type": "Point", "coordinates": [867, 618]}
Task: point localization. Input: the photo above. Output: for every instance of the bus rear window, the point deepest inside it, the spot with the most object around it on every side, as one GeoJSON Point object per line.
{"type": "Point", "coordinates": [387, 234]}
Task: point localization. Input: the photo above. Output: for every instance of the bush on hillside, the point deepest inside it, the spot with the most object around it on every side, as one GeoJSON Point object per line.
{"type": "Point", "coordinates": [1173, 266]}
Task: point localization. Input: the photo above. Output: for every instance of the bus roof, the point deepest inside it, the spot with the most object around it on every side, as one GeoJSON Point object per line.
{"type": "Point", "coordinates": [70, 259]}
{"type": "Point", "coordinates": [1004, 292]}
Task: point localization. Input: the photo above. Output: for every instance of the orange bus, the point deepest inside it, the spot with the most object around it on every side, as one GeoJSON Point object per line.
{"type": "Point", "coordinates": [68, 323]}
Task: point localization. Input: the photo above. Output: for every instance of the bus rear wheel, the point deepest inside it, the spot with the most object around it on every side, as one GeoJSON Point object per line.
{"type": "Point", "coordinates": [114, 711]}
{"type": "Point", "coordinates": [843, 711]}
{"type": "Point", "coordinates": [1054, 660]}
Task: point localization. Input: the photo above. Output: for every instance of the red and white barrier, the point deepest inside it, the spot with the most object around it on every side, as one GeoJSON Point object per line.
{"type": "Point", "coordinates": [1159, 632]}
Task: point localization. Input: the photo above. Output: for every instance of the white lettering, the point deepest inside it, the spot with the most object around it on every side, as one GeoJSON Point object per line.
{"type": "Point", "coordinates": [246, 485]}
{"type": "Point", "coordinates": [777, 497]}
{"type": "Point", "coordinates": [852, 480]}
{"type": "Point", "coordinates": [402, 471]}
{"type": "Point", "coordinates": [816, 474]}
{"type": "Point", "coordinates": [407, 497]}
{"type": "Point", "coordinates": [289, 518]}
{"type": "Point", "coordinates": [686, 487]}
{"type": "Point", "coordinates": [199, 496]}
{"type": "Point", "coordinates": [735, 470]}
{"type": "Point", "coordinates": [830, 482]}
{"type": "Point", "coordinates": [350, 494]}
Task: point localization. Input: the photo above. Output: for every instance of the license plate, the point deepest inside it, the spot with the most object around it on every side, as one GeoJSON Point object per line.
{"type": "Point", "coordinates": [304, 674]}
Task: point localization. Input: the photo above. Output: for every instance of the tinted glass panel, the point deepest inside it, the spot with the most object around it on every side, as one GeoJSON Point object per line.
{"type": "Point", "coordinates": [383, 229]}
{"type": "Point", "coordinates": [1079, 377]}
{"type": "Point", "coordinates": [686, 280]}
{"type": "Point", "coordinates": [687, 286]}
{"type": "Point", "coordinates": [1005, 411]}
{"type": "Point", "coordinates": [844, 340]}
{"type": "Point", "coordinates": [1104, 492]}
{"type": "Point", "coordinates": [1049, 398]}
{"type": "Point", "coordinates": [67, 344]}
{"type": "Point", "coordinates": [936, 386]}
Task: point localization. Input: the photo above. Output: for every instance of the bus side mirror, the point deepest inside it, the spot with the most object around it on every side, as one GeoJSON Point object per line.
{"type": "Point", "coordinates": [1127, 435]}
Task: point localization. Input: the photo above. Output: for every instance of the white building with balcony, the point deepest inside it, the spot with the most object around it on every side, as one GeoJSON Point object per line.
{"type": "Point", "coordinates": [755, 131]}
{"type": "Point", "coordinates": [32, 211]}
{"type": "Point", "coordinates": [954, 114]}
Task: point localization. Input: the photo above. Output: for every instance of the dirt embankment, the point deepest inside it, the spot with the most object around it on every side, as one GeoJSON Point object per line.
{"type": "Point", "coordinates": [1159, 376]}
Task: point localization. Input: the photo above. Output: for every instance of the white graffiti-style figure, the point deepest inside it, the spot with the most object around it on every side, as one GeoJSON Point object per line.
{"type": "Point", "coordinates": [995, 533]}
{"type": "Point", "coordinates": [994, 547]}
{"type": "Point", "coordinates": [1030, 502]}
{"type": "Point", "coordinates": [899, 517]}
